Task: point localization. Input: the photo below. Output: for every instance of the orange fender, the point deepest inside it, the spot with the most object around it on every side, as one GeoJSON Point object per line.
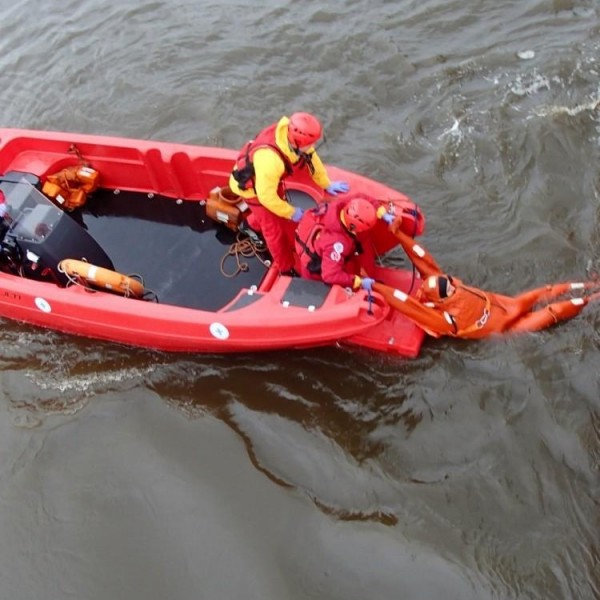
{"type": "Point", "coordinates": [102, 278]}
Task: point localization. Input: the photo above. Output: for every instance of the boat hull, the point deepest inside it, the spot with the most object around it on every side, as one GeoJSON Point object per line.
{"type": "Point", "coordinates": [267, 323]}
{"type": "Point", "coordinates": [264, 311]}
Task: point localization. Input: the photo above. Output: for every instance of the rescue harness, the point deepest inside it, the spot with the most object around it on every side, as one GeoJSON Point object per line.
{"type": "Point", "coordinates": [479, 323]}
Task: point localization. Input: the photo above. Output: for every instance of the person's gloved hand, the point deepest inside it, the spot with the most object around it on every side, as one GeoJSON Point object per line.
{"type": "Point", "coordinates": [366, 283]}
{"type": "Point", "coordinates": [337, 187]}
{"type": "Point", "coordinates": [298, 212]}
{"type": "Point", "coordinates": [389, 219]}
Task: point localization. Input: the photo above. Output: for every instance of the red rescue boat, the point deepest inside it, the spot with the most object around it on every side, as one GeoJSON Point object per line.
{"type": "Point", "coordinates": [117, 239]}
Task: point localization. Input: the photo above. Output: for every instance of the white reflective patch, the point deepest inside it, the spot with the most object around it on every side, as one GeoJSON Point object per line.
{"type": "Point", "coordinates": [219, 331]}
{"type": "Point", "coordinates": [338, 247]}
{"type": "Point", "coordinates": [93, 270]}
{"type": "Point", "coordinates": [448, 318]}
{"type": "Point", "coordinates": [335, 256]}
{"type": "Point", "coordinates": [432, 281]}
{"type": "Point", "coordinates": [418, 250]}
{"type": "Point", "coordinates": [429, 304]}
{"type": "Point", "coordinates": [43, 305]}
{"type": "Point", "coordinates": [400, 295]}
{"type": "Point", "coordinates": [577, 286]}
{"type": "Point", "coordinates": [577, 301]}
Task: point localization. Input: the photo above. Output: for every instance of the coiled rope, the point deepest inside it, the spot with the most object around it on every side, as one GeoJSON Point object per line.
{"type": "Point", "coordinates": [242, 248]}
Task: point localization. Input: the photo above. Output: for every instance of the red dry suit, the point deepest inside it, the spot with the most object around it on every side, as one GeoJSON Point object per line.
{"type": "Point", "coordinates": [327, 250]}
{"type": "Point", "coordinates": [472, 313]}
{"type": "Point", "coordinates": [259, 176]}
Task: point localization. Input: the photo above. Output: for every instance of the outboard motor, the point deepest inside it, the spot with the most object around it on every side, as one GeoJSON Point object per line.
{"type": "Point", "coordinates": [36, 235]}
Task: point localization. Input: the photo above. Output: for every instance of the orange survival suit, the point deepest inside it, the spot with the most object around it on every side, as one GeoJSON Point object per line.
{"type": "Point", "coordinates": [472, 313]}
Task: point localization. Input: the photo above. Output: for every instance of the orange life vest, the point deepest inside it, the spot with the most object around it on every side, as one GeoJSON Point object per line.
{"type": "Point", "coordinates": [70, 187]}
{"type": "Point", "coordinates": [308, 231]}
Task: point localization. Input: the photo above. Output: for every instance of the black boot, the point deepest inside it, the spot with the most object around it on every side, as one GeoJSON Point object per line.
{"type": "Point", "coordinates": [256, 238]}
{"type": "Point", "coordinates": [290, 273]}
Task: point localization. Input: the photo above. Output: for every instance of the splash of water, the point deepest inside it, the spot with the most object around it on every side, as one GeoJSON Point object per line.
{"type": "Point", "coordinates": [549, 111]}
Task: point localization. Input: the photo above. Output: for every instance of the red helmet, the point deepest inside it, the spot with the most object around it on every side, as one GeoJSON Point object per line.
{"type": "Point", "coordinates": [303, 130]}
{"type": "Point", "coordinates": [359, 215]}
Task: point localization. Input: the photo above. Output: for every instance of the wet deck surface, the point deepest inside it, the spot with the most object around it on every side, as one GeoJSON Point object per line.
{"type": "Point", "coordinates": [173, 247]}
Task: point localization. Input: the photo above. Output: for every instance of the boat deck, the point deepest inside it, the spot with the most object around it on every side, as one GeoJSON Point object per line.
{"type": "Point", "coordinates": [173, 246]}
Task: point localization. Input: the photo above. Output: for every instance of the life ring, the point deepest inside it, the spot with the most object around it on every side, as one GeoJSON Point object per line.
{"type": "Point", "coordinates": [101, 277]}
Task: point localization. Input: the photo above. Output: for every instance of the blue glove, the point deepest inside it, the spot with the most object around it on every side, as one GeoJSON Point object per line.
{"type": "Point", "coordinates": [337, 187]}
{"type": "Point", "coordinates": [298, 212]}
{"type": "Point", "coordinates": [366, 283]}
{"type": "Point", "coordinates": [389, 219]}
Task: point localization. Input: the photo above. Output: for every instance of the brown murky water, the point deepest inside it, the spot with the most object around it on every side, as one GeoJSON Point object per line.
{"type": "Point", "coordinates": [470, 472]}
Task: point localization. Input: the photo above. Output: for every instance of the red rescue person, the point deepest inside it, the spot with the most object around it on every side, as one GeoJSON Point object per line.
{"type": "Point", "coordinates": [279, 151]}
{"type": "Point", "coordinates": [331, 244]}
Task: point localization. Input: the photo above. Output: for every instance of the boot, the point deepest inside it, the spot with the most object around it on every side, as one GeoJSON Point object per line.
{"type": "Point", "coordinates": [255, 237]}
{"type": "Point", "coordinates": [291, 273]}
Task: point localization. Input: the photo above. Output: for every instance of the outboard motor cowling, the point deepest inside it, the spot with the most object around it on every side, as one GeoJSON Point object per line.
{"type": "Point", "coordinates": [38, 235]}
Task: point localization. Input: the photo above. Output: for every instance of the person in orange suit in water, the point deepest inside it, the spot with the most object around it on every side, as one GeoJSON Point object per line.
{"type": "Point", "coordinates": [445, 306]}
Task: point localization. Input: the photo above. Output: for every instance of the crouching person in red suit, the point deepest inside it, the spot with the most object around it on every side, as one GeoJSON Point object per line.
{"type": "Point", "coordinates": [331, 244]}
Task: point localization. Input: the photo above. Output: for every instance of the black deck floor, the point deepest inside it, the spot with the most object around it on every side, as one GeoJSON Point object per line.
{"type": "Point", "coordinates": [174, 247]}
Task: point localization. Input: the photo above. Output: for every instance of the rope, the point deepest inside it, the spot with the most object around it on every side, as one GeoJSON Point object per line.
{"type": "Point", "coordinates": [370, 302]}
{"type": "Point", "coordinates": [242, 248]}
{"type": "Point", "coordinates": [78, 280]}
{"type": "Point", "coordinates": [414, 233]}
